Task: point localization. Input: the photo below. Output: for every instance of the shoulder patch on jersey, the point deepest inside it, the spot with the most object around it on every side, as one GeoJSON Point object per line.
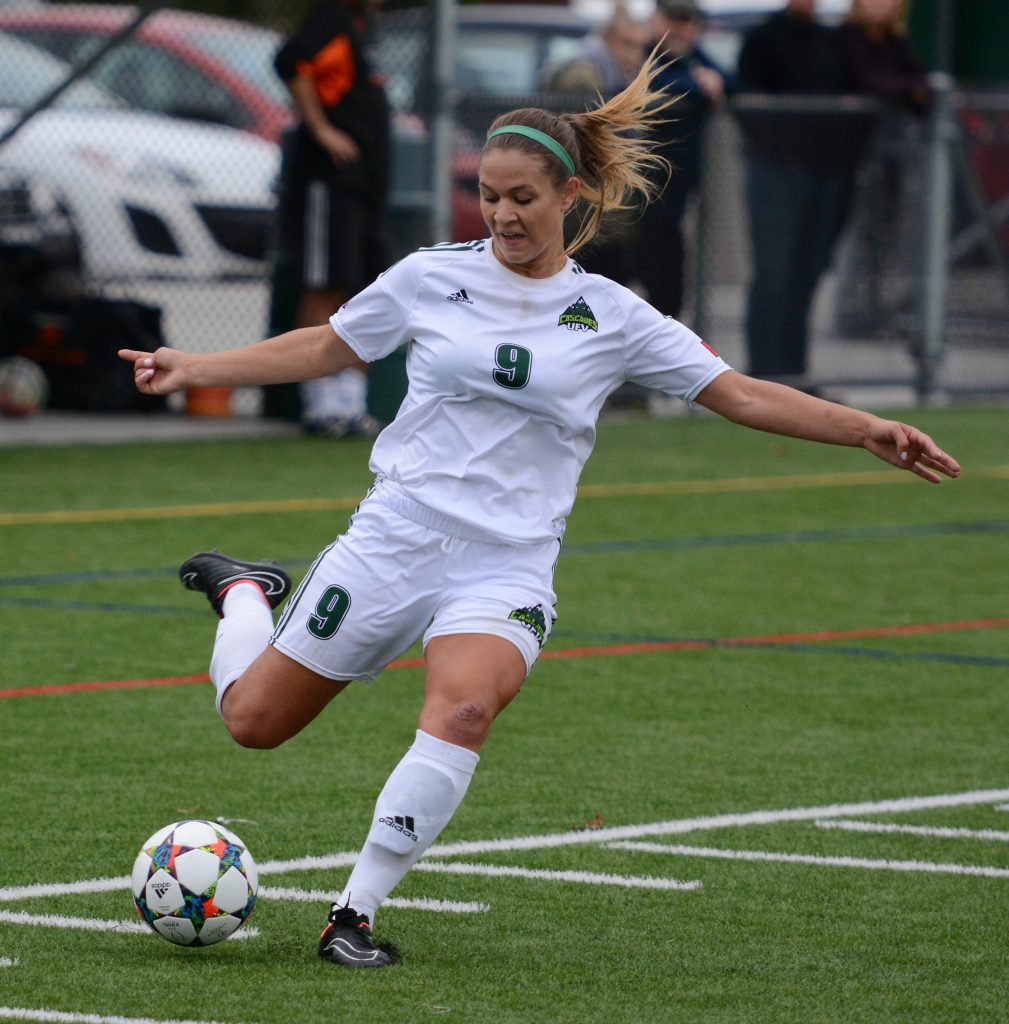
{"type": "Point", "coordinates": [578, 317]}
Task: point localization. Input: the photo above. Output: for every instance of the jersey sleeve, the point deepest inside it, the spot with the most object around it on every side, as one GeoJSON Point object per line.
{"type": "Point", "coordinates": [663, 354]}
{"type": "Point", "coordinates": [376, 321]}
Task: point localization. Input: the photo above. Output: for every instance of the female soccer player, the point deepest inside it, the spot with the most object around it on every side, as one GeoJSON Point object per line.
{"type": "Point", "coordinates": [512, 350]}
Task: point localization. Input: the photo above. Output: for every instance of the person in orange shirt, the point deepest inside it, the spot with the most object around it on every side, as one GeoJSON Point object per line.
{"type": "Point", "coordinates": [333, 190]}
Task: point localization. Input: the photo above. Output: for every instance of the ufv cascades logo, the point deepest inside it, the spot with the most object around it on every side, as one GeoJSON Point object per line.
{"type": "Point", "coordinates": [534, 619]}
{"type": "Point", "coordinates": [578, 317]}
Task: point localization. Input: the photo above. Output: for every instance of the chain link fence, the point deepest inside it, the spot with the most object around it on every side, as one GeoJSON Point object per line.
{"type": "Point", "coordinates": [160, 162]}
{"type": "Point", "coordinates": [917, 296]}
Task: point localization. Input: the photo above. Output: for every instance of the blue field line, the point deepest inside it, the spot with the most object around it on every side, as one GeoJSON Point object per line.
{"type": "Point", "coordinates": [914, 530]}
{"type": "Point", "coordinates": [89, 576]}
{"type": "Point", "coordinates": [111, 575]}
{"type": "Point", "coordinates": [984, 527]}
{"type": "Point", "coordinates": [883, 654]}
{"type": "Point", "coordinates": [99, 606]}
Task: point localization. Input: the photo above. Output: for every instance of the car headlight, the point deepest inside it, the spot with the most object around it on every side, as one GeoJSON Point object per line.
{"type": "Point", "coordinates": [143, 170]}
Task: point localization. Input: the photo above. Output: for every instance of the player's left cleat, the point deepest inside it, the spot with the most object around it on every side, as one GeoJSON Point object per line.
{"type": "Point", "coordinates": [214, 574]}
{"type": "Point", "coordinates": [346, 940]}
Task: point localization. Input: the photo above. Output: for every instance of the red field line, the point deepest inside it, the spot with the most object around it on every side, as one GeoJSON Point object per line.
{"type": "Point", "coordinates": [603, 651]}
{"type": "Point", "coordinates": [778, 638]}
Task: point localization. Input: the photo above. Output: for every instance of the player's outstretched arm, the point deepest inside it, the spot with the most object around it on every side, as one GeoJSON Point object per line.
{"type": "Point", "coordinates": [301, 354]}
{"type": "Point", "coordinates": [764, 405]}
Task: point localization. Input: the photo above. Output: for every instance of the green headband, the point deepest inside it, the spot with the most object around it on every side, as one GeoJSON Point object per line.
{"type": "Point", "coordinates": [542, 138]}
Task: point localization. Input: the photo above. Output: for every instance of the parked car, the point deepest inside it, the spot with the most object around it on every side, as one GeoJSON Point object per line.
{"type": "Point", "coordinates": [501, 50]}
{"type": "Point", "coordinates": [200, 67]}
{"type": "Point", "coordinates": [178, 63]}
{"type": "Point", "coordinates": [150, 196]}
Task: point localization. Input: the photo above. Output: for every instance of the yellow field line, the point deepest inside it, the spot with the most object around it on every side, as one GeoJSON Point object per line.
{"type": "Point", "coordinates": [220, 508]}
{"type": "Point", "coordinates": [863, 478]}
{"type": "Point", "coordinates": [629, 490]}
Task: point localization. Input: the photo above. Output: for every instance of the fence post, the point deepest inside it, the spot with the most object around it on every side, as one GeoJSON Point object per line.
{"type": "Point", "coordinates": [931, 348]}
{"type": "Point", "coordinates": [702, 238]}
{"type": "Point", "coordinates": [442, 118]}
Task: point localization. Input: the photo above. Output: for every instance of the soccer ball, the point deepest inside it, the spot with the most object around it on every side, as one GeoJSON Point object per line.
{"type": "Point", "coordinates": [194, 883]}
{"type": "Point", "coordinates": [24, 388]}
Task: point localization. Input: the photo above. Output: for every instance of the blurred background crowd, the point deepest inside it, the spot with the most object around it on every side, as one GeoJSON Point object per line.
{"type": "Point", "coordinates": [837, 214]}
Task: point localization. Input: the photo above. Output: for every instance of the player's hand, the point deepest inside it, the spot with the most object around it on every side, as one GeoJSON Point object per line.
{"type": "Point", "coordinates": [157, 373]}
{"type": "Point", "coordinates": [908, 447]}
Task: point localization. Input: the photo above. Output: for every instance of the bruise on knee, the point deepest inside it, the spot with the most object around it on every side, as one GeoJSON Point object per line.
{"type": "Point", "coordinates": [469, 712]}
{"type": "Point", "coordinates": [465, 724]}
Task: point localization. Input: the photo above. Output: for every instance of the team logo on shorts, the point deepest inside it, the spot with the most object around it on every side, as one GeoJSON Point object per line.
{"type": "Point", "coordinates": [578, 317]}
{"type": "Point", "coordinates": [534, 619]}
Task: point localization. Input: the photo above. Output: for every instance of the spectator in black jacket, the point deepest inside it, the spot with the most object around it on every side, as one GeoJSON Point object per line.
{"type": "Point", "coordinates": [689, 73]}
{"type": "Point", "coordinates": [800, 169]}
{"type": "Point", "coordinates": [333, 190]}
{"type": "Point", "coordinates": [881, 63]}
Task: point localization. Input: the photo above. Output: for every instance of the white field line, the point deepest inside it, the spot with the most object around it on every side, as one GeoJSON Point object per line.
{"type": "Point", "coordinates": [63, 921]}
{"type": "Point", "coordinates": [584, 877]}
{"type": "Point", "coordinates": [679, 826]}
{"type": "Point", "coordinates": [324, 896]}
{"type": "Point", "coordinates": [6, 961]}
{"type": "Point", "coordinates": [682, 826]}
{"type": "Point", "coordinates": [93, 924]}
{"type": "Point", "coordinates": [310, 863]}
{"type": "Point", "coordinates": [808, 858]}
{"type": "Point", "coordinates": [91, 885]}
{"type": "Point", "coordinates": [57, 1016]}
{"type": "Point", "coordinates": [938, 831]}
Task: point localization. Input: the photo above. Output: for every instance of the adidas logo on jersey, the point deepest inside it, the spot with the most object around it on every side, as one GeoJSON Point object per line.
{"type": "Point", "coordinates": [578, 317]}
{"type": "Point", "coordinates": [459, 296]}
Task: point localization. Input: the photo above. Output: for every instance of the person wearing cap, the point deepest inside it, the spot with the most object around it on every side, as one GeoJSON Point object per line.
{"type": "Point", "coordinates": [513, 350]}
{"type": "Point", "coordinates": [608, 61]}
{"type": "Point", "coordinates": [691, 75]}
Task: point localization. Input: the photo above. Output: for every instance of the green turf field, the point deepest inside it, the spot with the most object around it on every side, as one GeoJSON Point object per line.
{"type": "Point", "coordinates": [777, 686]}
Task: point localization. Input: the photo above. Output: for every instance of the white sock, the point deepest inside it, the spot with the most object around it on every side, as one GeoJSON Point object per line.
{"type": "Point", "coordinates": [417, 802]}
{"type": "Point", "coordinates": [242, 635]}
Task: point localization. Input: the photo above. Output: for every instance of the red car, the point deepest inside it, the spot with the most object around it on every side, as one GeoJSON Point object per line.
{"type": "Point", "coordinates": [178, 63]}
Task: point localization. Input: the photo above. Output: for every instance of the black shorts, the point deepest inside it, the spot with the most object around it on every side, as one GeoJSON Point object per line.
{"type": "Point", "coordinates": [335, 235]}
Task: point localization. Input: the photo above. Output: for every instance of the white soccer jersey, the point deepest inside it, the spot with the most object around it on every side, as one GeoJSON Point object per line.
{"type": "Point", "coordinates": [507, 375]}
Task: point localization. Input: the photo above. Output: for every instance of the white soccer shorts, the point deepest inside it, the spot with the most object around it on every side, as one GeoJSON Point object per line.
{"type": "Point", "coordinates": [389, 579]}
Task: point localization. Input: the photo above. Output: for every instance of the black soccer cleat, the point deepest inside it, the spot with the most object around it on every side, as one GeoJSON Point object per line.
{"type": "Point", "coordinates": [214, 574]}
{"type": "Point", "coordinates": [346, 940]}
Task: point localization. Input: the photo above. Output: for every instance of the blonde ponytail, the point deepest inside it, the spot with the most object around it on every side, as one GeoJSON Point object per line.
{"type": "Point", "coordinates": [610, 145]}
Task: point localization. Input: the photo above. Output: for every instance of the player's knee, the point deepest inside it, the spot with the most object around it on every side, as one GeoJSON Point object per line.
{"type": "Point", "coordinates": [254, 731]}
{"type": "Point", "coordinates": [468, 723]}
